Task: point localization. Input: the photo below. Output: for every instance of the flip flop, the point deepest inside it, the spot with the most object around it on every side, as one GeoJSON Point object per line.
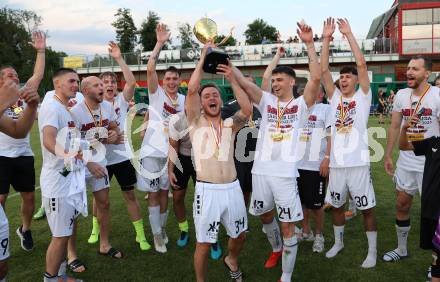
{"type": "Point", "coordinates": [75, 264]}
{"type": "Point", "coordinates": [235, 275]}
{"type": "Point", "coordinates": [112, 252]}
{"type": "Point", "coordinates": [393, 256]}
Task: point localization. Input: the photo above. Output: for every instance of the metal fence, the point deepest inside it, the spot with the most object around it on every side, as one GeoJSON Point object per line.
{"type": "Point", "coordinates": [338, 48]}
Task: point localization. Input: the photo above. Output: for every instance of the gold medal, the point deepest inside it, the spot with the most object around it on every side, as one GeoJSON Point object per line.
{"type": "Point", "coordinates": [217, 138]}
{"type": "Point", "coordinates": [251, 123]}
{"type": "Point", "coordinates": [18, 110]}
{"type": "Point", "coordinates": [277, 137]}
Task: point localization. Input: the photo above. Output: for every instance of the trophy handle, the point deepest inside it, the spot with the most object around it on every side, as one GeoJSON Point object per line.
{"type": "Point", "coordinates": [226, 38]}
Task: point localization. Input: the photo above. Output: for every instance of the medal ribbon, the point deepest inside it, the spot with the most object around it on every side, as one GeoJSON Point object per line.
{"type": "Point", "coordinates": [419, 102]}
{"type": "Point", "coordinates": [281, 114]}
{"type": "Point", "coordinates": [343, 113]}
{"type": "Point", "coordinates": [91, 113]}
{"type": "Point", "coordinates": [174, 102]}
{"type": "Point", "coordinates": [55, 96]}
{"type": "Point", "coordinates": [217, 137]}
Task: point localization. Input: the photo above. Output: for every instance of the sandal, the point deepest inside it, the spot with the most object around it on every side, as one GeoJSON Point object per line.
{"type": "Point", "coordinates": [75, 265]}
{"type": "Point", "coordinates": [112, 252]}
{"type": "Point", "coordinates": [235, 275]}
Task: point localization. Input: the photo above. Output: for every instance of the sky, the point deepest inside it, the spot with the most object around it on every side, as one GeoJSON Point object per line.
{"type": "Point", "coordinates": [83, 27]}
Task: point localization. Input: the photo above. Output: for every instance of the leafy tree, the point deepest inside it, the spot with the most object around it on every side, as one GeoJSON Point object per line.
{"type": "Point", "coordinates": [186, 36]}
{"type": "Point", "coordinates": [16, 27]}
{"type": "Point", "coordinates": [147, 32]}
{"type": "Point", "coordinates": [259, 31]}
{"type": "Point", "coordinates": [230, 42]}
{"type": "Point", "coordinates": [125, 30]}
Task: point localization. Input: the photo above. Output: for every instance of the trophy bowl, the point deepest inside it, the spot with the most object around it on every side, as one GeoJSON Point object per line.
{"type": "Point", "coordinates": [205, 30]}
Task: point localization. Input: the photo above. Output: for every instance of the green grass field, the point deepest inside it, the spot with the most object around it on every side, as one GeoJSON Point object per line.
{"type": "Point", "coordinates": [176, 264]}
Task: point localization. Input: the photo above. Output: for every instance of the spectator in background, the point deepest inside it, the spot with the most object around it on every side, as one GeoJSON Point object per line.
{"type": "Point", "coordinates": [437, 81]}
{"type": "Point", "coordinates": [381, 109]}
{"type": "Point", "coordinates": [290, 39]}
{"type": "Point", "coordinates": [316, 38]}
{"type": "Point", "coordinates": [390, 101]}
{"type": "Point", "coordinates": [295, 39]}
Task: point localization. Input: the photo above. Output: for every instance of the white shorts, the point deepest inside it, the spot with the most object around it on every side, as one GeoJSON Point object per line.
{"type": "Point", "coordinates": [98, 184]}
{"type": "Point", "coordinates": [215, 204]}
{"type": "Point", "coordinates": [4, 235]}
{"type": "Point", "coordinates": [60, 216]}
{"type": "Point", "coordinates": [158, 180]}
{"type": "Point", "coordinates": [408, 181]}
{"type": "Point", "coordinates": [357, 181]}
{"type": "Point", "coordinates": [268, 191]}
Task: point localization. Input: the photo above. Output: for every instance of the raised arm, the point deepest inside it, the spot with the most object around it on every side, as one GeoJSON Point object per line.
{"type": "Point", "coordinates": [162, 36]}
{"type": "Point", "coordinates": [327, 37]}
{"type": "Point", "coordinates": [393, 134]}
{"type": "Point", "coordinates": [192, 101]}
{"type": "Point", "coordinates": [242, 98]}
{"type": "Point", "coordinates": [364, 81]}
{"type": "Point", "coordinates": [251, 89]}
{"type": "Point", "coordinates": [312, 87]}
{"type": "Point", "coordinates": [39, 43]}
{"type": "Point", "coordinates": [130, 81]}
{"type": "Point", "coordinates": [267, 75]}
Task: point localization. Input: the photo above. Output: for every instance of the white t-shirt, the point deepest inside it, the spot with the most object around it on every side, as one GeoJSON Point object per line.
{"type": "Point", "coordinates": [85, 122]}
{"type": "Point", "coordinates": [276, 146]}
{"type": "Point", "coordinates": [53, 113]}
{"type": "Point", "coordinates": [178, 130]}
{"type": "Point", "coordinates": [11, 147]}
{"type": "Point", "coordinates": [312, 141]}
{"type": "Point", "coordinates": [428, 111]}
{"type": "Point", "coordinates": [349, 129]}
{"type": "Point", "coordinates": [155, 143]}
{"type": "Point", "coordinates": [117, 153]}
{"type": "Point", "coordinates": [78, 98]}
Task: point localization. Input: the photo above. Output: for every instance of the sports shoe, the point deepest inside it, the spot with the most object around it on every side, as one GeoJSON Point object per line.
{"type": "Point", "coordinates": [429, 274]}
{"type": "Point", "coordinates": [143, 244]}
{"type": "Point", "coordinates": [349, 214]}
{"type": "Point", "coordinates": [216, 251]}
{"type": "Point", "coordinates": [159, 244]}
{"type": "Point", "coordinates": [318, 244]}
{"type": "Point", "coordinates": [94, 237]}
{"type": "Point", "coordinates": [40, 214]}
{"type": "Point", "coordinates": [27, 243]}
{"type": "Point", "coordinates": [183, 240]}
{"type": "Point", "coordinates": [272, 261]}
{"type": "Point", "coordinates": [308, 237]}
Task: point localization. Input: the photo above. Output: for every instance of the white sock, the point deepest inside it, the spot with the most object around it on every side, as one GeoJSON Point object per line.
{"type": "Point", "coordinates": [289, 257]}
{"type": "Point", "coordinates": [163, 219]}
{"type": "Point", "coordinates": [273, 235]}
{"type": "Point", "coordinates": [402, 238]}
{"type": "Point", "coordinates": [3, 280]}
{"type": "Point", "coordinates": [63, 268]}
{"type": "Point", "coordinates": [339, 241]}
{"type": "Point", "coordinates": [155, 219]}
{"type": "Point", "coordinates": [370, 261]}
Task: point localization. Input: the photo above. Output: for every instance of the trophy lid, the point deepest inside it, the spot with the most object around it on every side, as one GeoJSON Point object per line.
{"type": "Point", "coordinates": [205, 29]}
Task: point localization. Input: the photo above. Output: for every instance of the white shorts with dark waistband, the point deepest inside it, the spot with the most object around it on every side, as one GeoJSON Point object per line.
{"type": "Point", "coordinates": [215, 204]}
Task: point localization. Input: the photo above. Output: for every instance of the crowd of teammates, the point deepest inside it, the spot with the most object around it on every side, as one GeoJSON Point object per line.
{"type": "Point", "coordinates": [265, 151]}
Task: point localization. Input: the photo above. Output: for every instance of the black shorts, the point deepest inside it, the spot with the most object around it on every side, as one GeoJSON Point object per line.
{"type": "Point", "coordinates": [311, 187]}
{"type": "Point", "coordinates": [188, 171]}
{"type": "Point", "coordinates": [18, 172]}
{"type": "Point", "coordinates": [244, 175]}
{"type": "Point", "coordinates": [125, 174]}
{"type": "Point", "coordinates": [427, 231]}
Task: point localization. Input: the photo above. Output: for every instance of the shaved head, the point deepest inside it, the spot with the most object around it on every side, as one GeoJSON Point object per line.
{"type": "Point", "coordinates": [87, 82]}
